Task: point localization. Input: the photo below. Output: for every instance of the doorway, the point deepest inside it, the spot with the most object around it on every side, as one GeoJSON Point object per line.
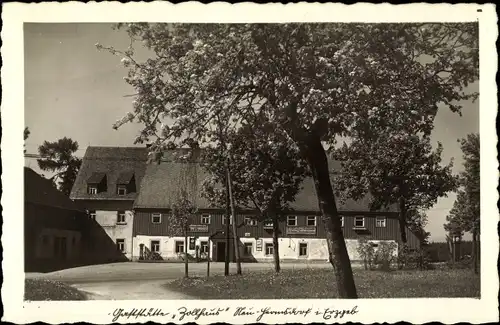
{"type": "Point", "coordinates": [60, 248]}
{"type": "Point", "coordinates": [220, 251]}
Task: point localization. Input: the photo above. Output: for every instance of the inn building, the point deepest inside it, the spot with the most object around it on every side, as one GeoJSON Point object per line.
{"type": "Point", "coordinates": [146, 232]}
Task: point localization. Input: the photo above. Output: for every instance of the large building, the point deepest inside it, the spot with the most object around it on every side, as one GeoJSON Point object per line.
{"type": "Point", "coordinates": [146, 230]}
{"type": "Point", "coordinates": [53, 226]}
{"type": "Point", "coordinates": [106, 187]}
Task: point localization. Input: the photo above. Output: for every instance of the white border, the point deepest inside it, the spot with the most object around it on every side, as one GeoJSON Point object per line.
{"type": "Point", "coordinates": [369, 311]}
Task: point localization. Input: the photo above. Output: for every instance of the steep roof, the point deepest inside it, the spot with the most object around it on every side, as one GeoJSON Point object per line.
{"type": "Point", "coordinates": [41, 191]}
{"type": "Point", "coordinates": [161, 182]}
{"type": "Point", "coordinates": [116, 163]}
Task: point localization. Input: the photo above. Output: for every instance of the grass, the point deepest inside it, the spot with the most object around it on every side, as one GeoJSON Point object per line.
{"type": "Point", "coordinates": [41, 290]}
{"type": "Point", "coordinates": [320, 283]}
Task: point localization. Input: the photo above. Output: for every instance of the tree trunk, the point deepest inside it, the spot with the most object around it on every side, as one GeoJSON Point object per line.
{"type": "Point", "coordinates": [235, 234]}
{"type": "Point", "coordinates": [276, 254]}
{"type": "Point", "coordinates": [208, 257]}
{"type": "Point", "coordinates": [309, 143]}
{"type": "Point", "coordinates": [316, 157]}
{"type": "Point", "coordinates": [402, 220]}
{"type": "Point", "coordinates": [402, 232]}
{"type": "Point", "coordinates": [186, 262]}
{"type": "Point", "coordinates": [475, 255]}
{"type": "Point", "coordinates": [228, 241]}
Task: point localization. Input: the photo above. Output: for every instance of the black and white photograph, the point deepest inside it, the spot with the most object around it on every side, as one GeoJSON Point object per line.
{"type": "Point", "coordinates": [249, 169]}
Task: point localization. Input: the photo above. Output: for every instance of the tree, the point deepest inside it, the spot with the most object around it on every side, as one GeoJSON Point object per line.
{"type": "Point", "coordinates": [26, 135]}
{"type": "Point", "coordinates": [58, 157]}
{"type": "Point", "coordinates": [184, 208]}
{"type": "Point", "coordinates": [182, 212]}
{"type": "Point", "coordinates": [266, 172]}
{"type": "Point", "coordinates": [315, 81]}
{"type": "Point", "coordinates": [411, 177]}
{"type": "Point", "coordinates": [466, 211]}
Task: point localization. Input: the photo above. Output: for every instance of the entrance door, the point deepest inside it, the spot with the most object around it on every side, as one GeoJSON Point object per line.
{"type": "Point", "coordinates": [221, 251]}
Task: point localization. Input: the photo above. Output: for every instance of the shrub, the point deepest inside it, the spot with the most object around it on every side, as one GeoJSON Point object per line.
{"type": "Point", "coordinates": [366, 251]}
{"type": "Point", "coordinates": [403, 255]}
{"type": "Point", "coordinates": [418, 259]}
{"type": "Point", "coordinates": [465, 262]}
{"type": "Point", "coordinates": [385, 255]}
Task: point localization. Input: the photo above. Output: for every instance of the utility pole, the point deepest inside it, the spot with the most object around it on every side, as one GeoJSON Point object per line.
{"type": "Point", "coordinates": [235, 235]}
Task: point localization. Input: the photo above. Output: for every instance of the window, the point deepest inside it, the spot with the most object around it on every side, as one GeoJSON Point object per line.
{"type": "Point", "coordinates": [155, 246]}
{"type": "Point", "coordinates": [120, 217]}
{"type": "Point", "coordinates": [250, 221]}
{"type": "Point", "coordinates": [156, 218]}
{"type": "Point", "coordinates": [179, 247]}
{"type": "Point", "coordinates": [380, 222]}
{"type": "Point", "coordinates": [205, 219]}
{"type": "Point", "coordinates": [248, 248]}
{"type": "Point", "coordinates": [342, 221]}
{"type": "Point", "coordinates": [120, 245]}
{"type": "Point", "coordinates": [311, 220]}
{"type": "Point", "coordinates": [269, 249]}
{"type": "Point", "coordinates": [92, 190]}
{"type": "Point", "coordinates": [121, 190]}
{"type": "Point", "coordinates": [291, 220]}
{"type": "Point", "coordinates": [302, 249]}
{"type": "Point", "coordinates": [224, 218]}
{"type": "Point", "coordinates": [92, 215]}
{"type": "Point", "coordinates": [204, 247]}
{"type": "Point", "coordinates": [359, 222]}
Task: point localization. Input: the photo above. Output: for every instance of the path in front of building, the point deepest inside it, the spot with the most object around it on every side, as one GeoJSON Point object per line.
{"type": "Point", "coordinates": [143, 281]}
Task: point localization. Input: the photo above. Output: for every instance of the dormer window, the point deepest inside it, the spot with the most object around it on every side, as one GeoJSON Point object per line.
{"type": "Point", "coordinates": [96, 183]}
{"type": "Point", "coordinates": [121, 190]}
{"type": "Point", "coordinates": [125, 183]}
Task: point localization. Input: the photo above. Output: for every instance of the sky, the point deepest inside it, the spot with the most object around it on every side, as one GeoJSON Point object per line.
{"type": "Point", "coordinates": [74, 90]}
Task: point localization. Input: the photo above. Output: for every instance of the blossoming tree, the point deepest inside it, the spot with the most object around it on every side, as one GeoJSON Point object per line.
{"type": "Point", "coordinates": [314, 81]}
{"type": "Point", "coordinates": [266, 172]}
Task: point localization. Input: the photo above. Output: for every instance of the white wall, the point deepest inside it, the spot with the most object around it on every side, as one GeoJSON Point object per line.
{"type": "Point", "coordinates": [317, 249]}
{"type": "Point", "coordinates": [167, 246]}
{"type": "Point", "coordinates": [107, 219]}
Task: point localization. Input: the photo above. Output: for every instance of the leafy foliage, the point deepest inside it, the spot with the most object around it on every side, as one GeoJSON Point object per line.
{"type": "Point", "coordinates": [339, 72]}
{"type": "Point", "coordinates": [385, 255]}
{"type": "Point", "coordinates": [26, 135]}
{"type": "Point", "coordinates": [266, 170]}
{"type": "Point", "coordinates": [58, 156]}
{"type": "Point", "coordinates": [366, 251]}
{"type": "Point", "coordinates": [466, 211]}
{"type": "Point", "coordinates": [414, 172]}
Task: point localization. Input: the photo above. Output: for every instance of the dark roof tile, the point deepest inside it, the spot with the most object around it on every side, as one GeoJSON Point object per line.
{"type": "Point", "coordinates": [114, 162]}
{"type": "Point", "coordinates": [162, 181]}
{"type": "Point", "coordinates": [96, 178]}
